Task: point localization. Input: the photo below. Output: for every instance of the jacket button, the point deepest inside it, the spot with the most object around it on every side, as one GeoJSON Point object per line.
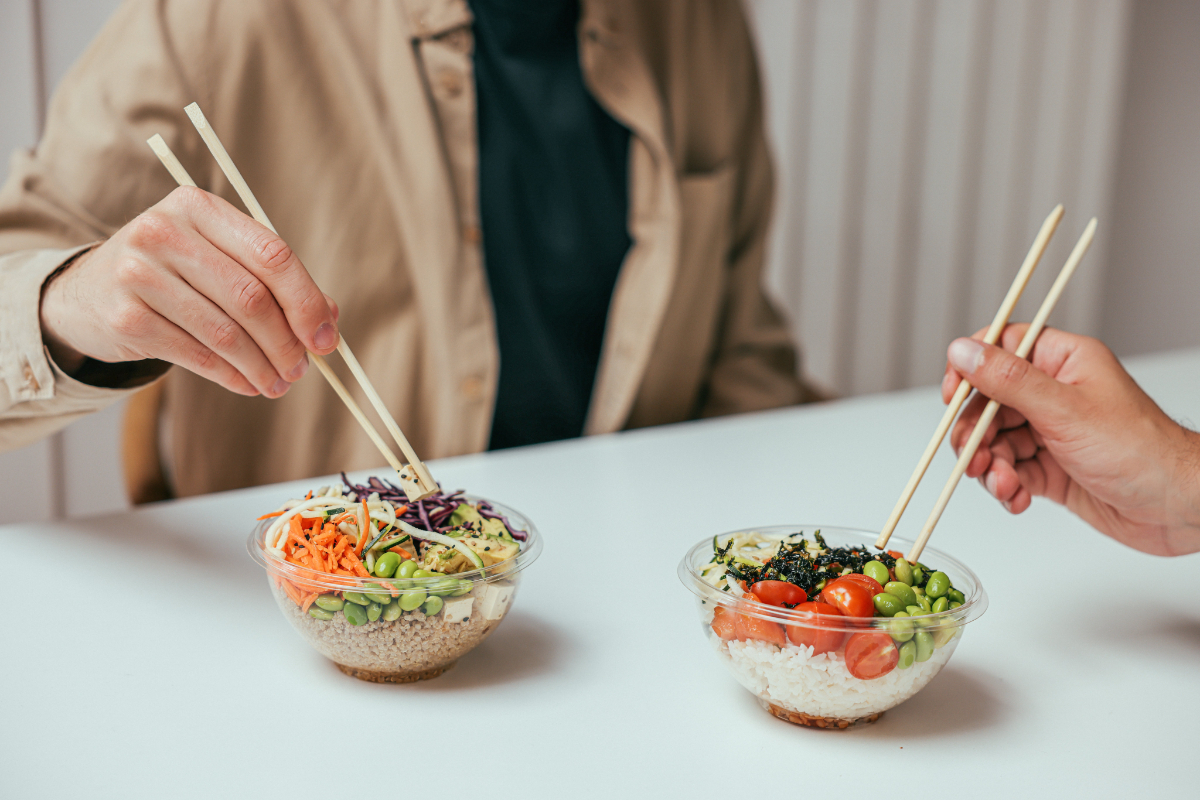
{"type": "Point", "coordinates": [451, 83]}
{"type": "Point", "coordinates": [472, 387]}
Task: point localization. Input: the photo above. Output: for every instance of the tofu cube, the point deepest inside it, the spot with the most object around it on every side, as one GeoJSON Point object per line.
{"type": "Point", "coordinates": [458, 609]}
{"type": "Point", "coordinates": [495, 600]}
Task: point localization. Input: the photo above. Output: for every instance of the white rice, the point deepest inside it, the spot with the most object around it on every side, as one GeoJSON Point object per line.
{"type": "Point", "coordinates": [820, 685]}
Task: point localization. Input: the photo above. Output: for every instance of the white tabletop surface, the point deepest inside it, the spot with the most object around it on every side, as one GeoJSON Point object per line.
{"type": "Point", "coordinates": [144, 656]}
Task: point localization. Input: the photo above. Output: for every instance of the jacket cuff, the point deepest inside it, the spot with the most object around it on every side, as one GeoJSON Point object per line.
{"type": "Point", "coordinates": [25, 367]}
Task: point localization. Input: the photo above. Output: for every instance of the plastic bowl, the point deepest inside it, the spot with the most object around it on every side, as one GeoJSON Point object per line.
{"type": "Point", "coordinates": [415, 646]}
{"type": "Point", "coordinates": [818, 690]}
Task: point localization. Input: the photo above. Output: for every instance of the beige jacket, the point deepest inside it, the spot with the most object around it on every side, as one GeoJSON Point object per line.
{"type": "Point", "coordinates": [354, 123]}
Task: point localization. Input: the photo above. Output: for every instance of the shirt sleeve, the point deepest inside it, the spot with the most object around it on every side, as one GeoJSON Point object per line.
{"type": "Point", "coordinates": [91, 173]}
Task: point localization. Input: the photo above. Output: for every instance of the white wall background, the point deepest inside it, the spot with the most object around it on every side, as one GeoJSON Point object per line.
{"type": "Point", "coordinates": [919, 145]}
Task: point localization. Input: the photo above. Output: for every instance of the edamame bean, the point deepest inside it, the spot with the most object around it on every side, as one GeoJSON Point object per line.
{"type": "Point", "coordinates": [386, 566]}
{"type": "Point", "coordinates": [358, 598]}
{"type": "Point", "coordinates": [918, 591]}
{"type": "Point", "coordinates": [956, 596]}
{"type": "Point", "coordinates": [887, 604]}
{"type": "Point", "coordinates": [943, 635]}
{"type": "Point", "coordinates": [317, 612]}
{"type": "Point", "coordinates": [406, 569]}
{"type": "Point", "coordinates": [924, 640]}
{"type": "Point", "coordinates": [424, 573]}
{"type": "Point", "coordinates": [373, 611]}
{"type": "Point", "coordinates": [432, 606]}
{"type": "Point", "coordinates": [355, 614]}
{"type": "Point", "coordinates": [463, 588]}
{"type": "Point", "coordinates": [330, 602]}
{"type": "Point", "coordinates": [918, 575]}
{"type": "Point", "coordinates": [876, 570]}
{"type": "Point", "coordinates": [392, 611]}
{"type": "Point", "coordinates": [925, 603]}
{"type": "Point", "coordinates": [908, 654]}
{"type": "Point", "coordinates": [900, 629]}
{"type": "Point", "coordinates": [940, 605]}
{"type": "Point", "coordinates": [915, 611]}
{"type": "Point", "coordinates": [903, 571]}
{"type": "Point", "coordinates": [378, 594]}
{"type": "Point", "coordinates": [939, 584]}
{"type": "Point", "coordinates": [901, 590]}
{"type": "Point", "coordinates": [955, 604]}
{"type": "Point", "coordinates": [410, 600]}
{"type": "Point", "coordinates": [442, 588]}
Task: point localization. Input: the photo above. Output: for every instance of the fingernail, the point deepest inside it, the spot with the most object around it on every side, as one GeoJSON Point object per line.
{"type": "Point", "coordinates": [298, 371]}
{"type": "Point", "coordinates": [1007, 505]}
{"type": "Point", "coordinates": [946, 383]}
{"type": "Point", "coordinates": [325, 337]}
{"type": "Point", "coordinates": [280, 387]}
{"type": "Point", "coordinates": [990, 482]}
{"type": "Point", "coordinates": [965, 355]}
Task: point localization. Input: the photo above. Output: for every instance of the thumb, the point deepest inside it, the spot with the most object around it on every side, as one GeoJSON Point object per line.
{"type": "Point", "coordinates": [1011, 381]}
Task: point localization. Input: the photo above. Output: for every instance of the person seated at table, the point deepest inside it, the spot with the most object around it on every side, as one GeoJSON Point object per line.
{"type": "Point", "coordinates": [539, 221]}
{"type": "Point", "coordinates": [1076, 428]}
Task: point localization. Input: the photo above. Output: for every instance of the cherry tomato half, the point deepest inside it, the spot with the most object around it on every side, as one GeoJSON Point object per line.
{"type": "Point", "coordinates": [816, 633]}
{"type": "Point", "coordinates": [724, 623]}
{"type": "Point", "coordinates": [747, 627]}
{"type": "Point", "coordinates": [849, 597]}
{"type": "Point", "coordinates": [776, 593]}
{"type": "Point", "coordinates": [871, 654]}
{"type": "Point", "coordinates": [866, 581]}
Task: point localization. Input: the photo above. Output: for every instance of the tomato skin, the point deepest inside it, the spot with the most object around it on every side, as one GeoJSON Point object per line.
{"type": "Point", "coordinates": [776, 593]}
{"type": "Point", "coordinates": [866, 581]}
{"type": "Point", "coordinates": [746, 627]}
{"type": "Point", "coordinates": [849, 597]}
{"type": "Point", "coordinates": [871, 654]}
{"type": "Point", "coordinates": [816, 633]}
{"type": "Point", "coordinates": [724, 623]}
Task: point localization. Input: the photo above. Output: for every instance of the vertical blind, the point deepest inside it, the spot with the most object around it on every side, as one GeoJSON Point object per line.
{"type": "Point", "coordinates": [919, 145]}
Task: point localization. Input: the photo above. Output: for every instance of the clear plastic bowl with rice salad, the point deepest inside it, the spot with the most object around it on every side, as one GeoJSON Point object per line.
{"type": "Point", "coordinates": [825, 630]}
{"type": "Point", "coordinates": [427, 583]}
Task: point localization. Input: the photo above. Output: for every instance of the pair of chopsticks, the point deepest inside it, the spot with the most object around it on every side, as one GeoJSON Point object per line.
{"type": "Point", "coordinates": [964, 387]}
{"type": "Point", "coordinates": [415, 478]}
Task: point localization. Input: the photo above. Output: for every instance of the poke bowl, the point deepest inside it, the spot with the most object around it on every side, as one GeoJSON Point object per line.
{"type": "Point", "coordinates": [427, 583]}
{"type": "Point", "coordinates": [825, 630]}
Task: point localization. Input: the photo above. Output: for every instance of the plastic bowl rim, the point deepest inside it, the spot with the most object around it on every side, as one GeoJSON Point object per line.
{"type": "Point", "coordinates": [974, 607]}
{"type": "Point", "coordinates": [531, 548]}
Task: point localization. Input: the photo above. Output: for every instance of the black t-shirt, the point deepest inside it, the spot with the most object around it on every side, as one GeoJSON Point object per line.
{"type": "Point", "coordinates": [553, 197]}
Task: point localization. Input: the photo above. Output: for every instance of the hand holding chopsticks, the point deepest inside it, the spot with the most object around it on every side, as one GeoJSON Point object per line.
{"type": "Point", "coordinates": [415, 477]}
{"type": "Point", "coordinates": [992, 407]}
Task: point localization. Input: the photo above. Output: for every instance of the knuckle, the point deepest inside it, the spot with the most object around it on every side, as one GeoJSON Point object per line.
{"type": "Point", "coordinates": [272, 253]}
{"type": "Point", "coordinates": [1010, 371]}
{"type": "Point", "coordinates": [130, 321]}
{"type": "Point", "coordinates": [226, 335]}
{"type": "Point", "coordinates": [152, 230]}
{"type": "Point", "coordinates": [207, 360]}
{"type": "Point", "coordinates": [191, 199]}
{"type": "Point", "coordinates": [253, 297]}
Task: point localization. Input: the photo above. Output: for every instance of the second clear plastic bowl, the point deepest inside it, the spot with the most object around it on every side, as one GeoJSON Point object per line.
{"type": "Point", "coordinates": [793, 683]}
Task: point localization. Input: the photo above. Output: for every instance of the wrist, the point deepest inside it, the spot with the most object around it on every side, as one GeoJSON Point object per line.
{"type": "Point", "coordinates": [1185, 489]}
{"type": "Point", "coordinates": [53, 312]}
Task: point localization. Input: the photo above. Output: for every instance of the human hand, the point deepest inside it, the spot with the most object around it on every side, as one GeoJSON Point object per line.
{"type": "Point", "coordinates": [194, 282]}
{"type": "Point", "coordinates": [1076, 428]}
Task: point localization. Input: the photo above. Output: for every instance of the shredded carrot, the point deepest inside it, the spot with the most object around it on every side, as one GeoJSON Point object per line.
{"type": "Point", "coordinates": [309, 495]}
{"type": "Point", "coordinates": [342, 517]}
{"type": "Point", "coordinates": [400, 551]}
{"type": "Point", "coordinates": [291, 592]}
{"type": "Point", "coordinates": [268, 516]}
{"type": "Point", "coordinates": [308, 601]}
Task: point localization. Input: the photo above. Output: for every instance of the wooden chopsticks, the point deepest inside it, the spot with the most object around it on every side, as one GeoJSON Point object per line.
{"type": "Point", "coordinates": [415, 477]}
{"type": "Point", "coordinates": [989, 411]}
{"type": "Point", "coordinates": [964, 388]}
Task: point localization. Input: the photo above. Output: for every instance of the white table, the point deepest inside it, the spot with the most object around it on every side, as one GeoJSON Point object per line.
{"type": "Point", "coordinates": [144, 656]}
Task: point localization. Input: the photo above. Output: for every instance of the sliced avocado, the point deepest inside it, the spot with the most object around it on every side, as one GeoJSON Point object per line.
{"type": "Point", "coordinates": [464, 513]}
{"type": "Point", "coordinates": [494, 527]}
